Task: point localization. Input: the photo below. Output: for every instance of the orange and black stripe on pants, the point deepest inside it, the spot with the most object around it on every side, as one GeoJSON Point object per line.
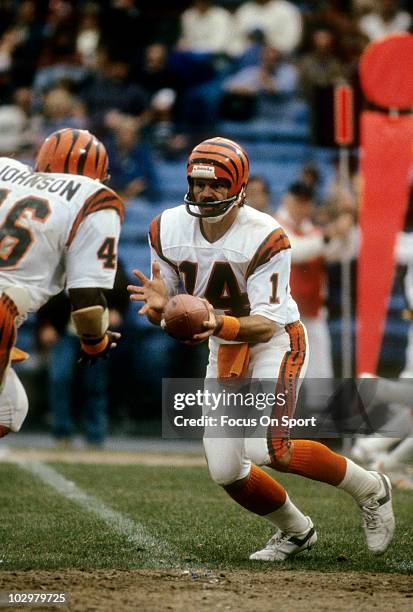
{"type": "Point", "coordinates": [278, 436]}
{"type": "Point", "coordinates": [8, 314]}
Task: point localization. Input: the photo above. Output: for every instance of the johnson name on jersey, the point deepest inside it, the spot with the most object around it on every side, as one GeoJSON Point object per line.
{"type": "Point", "coordinates": [56, 231]}
{"type": "Point", "coordinates": [245, 272]}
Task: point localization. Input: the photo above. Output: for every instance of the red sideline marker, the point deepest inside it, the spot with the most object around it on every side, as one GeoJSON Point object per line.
{"type": "Point", "coordinates": [343, 114]}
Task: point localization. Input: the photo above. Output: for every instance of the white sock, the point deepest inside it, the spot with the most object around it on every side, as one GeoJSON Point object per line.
{"type": "Point", "coordinates": [288, 518]}
{"type": "Point", "coordinates": [359, 483]}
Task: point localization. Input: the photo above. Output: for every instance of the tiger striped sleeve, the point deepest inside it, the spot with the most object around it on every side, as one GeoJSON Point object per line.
{"type": "Point", "coordinates": [103, 199]}
{"type": "Point", "coordinates": [155, 241]}
{"type": "Point", "coordinates": [273, 244]}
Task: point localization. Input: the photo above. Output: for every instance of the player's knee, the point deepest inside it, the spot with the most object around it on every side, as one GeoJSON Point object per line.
{"type": "Point", "coordinates": [257, 450]}
{"type": "Point", "coordinates": [225, 474]}
{"type": "Point", "coordinates": [19, 414]}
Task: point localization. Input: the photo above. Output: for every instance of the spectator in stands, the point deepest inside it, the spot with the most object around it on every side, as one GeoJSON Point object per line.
{"type": "Point", "coordinates": [386, 18]}
{"type": "Point", "coordinates": [260, 87]}
{"type": "Point", "coordinates": [60, 109]}
{"type": "Point", "coordinates": [320, 70]}
{"type": "Point", "coordinates": [341, 196]}
{"type": "Point", "coordinates": [280, 21]}
{"type": "Point", "coordinates": [321, 66]}
{"type": "Point", "coordinates": [59, 347]}
{"type": "Point", "coordinates": [13, 123]}
{"type": "Point", "coordinates": [7, 85]}
{"type": "Point", "coordinates": [110, 89]}
{"type": "Point", "coordinates": [253, 50]}
{"type": "Point", "coordinates": [206, 28]}
{"type": "Point", "coordinates": [163, 84]}
{"type": "Point", "coordinates": [312, 248]}
{"type": "Point", "coordinates": [123, 28]}
{"type": "Point", "coordinates": [27, 35]}
{"type": "Point", "coordinates": [362, 7]}
{"type": "Point", "coordinates": [310, 176]}
{"type": "Point", "coordinates": [89, 35]}
{"type": "Point", "coordinates": [78, 396]}
{"type": "Point", "coordinates": [132, 168]}
{"type": "Point", "coordinates": [157, 72]}
{"type": "Point", "coordinates": [259, 193]}
{"type": "Point", "coordinates": [60, 66]}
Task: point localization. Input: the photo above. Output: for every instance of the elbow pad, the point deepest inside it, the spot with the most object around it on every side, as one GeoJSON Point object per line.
{"type": "Point", "coordinates": [91, 323]}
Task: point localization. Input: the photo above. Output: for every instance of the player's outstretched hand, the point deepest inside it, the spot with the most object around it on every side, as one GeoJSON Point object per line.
{"type": "Point", "coordinates": [152, 291]}
{"type": "Point", "coordinates": [90, 353]}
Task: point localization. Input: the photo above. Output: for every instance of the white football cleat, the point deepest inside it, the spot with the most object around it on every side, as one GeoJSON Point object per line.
{"type": "Point", "coordinates": [378, 517]}
{"type": "Point", "coordinates": [284, 545]}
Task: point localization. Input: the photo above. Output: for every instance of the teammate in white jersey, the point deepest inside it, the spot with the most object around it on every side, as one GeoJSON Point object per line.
{"type": "Point", "coordinates": [238, 260]}
{"type": "Point", "coordinates": [59, 228]}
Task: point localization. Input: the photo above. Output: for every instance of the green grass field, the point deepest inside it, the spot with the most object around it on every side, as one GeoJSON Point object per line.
{"type": "Point", "coordinates": [182, 520]}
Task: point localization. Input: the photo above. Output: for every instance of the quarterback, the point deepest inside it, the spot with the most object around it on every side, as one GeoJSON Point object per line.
{"type": "Point", "coordinates": [59, 228]}
{"type": "Point", "coordinates": [238, 259]}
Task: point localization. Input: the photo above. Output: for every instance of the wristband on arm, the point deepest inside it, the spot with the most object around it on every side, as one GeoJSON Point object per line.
{"type": "Point", "coordinates": [229, 328]}
{"type": "Point", "coordinates": [94, 347]}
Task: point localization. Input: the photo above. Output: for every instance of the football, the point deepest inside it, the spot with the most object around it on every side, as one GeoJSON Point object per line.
{"type": "Point", "coordinates": [184, 316]}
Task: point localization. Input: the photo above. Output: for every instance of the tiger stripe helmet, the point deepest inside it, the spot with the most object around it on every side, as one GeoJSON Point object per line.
{"type": "Point", "coordinates": [218, 158]}
{"type": "Point", "coordinates": [73, 151]}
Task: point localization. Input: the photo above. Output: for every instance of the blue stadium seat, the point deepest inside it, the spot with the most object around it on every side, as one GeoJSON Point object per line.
{"type": "Point", "coordinates": [278, 175]}
{"type": "Point", "coordinates": [135, 256]}
{"type": "Point", "coordinates": [260, 130]}
{"type": "Point", "coordinates": [139, 213]}
{"type": "Point", "coordinates": [172, 175]}
{"type": "Point", "coordinates": [277, 151]}
{"type": "Point", "coordinates": [26, 334]}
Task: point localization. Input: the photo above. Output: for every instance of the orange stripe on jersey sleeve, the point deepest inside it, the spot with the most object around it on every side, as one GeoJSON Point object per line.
{"type": "Point", "coordinates": [104, 199]}
{"type": "Point", "coordinates": [155, 234]}
{"type": "Point", "coordinates": [155, 240]}
{"type": "Point", "coordinates": [274, 243]}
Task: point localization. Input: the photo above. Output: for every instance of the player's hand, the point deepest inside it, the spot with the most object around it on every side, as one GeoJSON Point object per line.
{"type": "Point", "coordinates": [210, 326]}
{"type": "Point", "coordinates": [152, 291]}
{"type": "Point", "coordinates": [88, 357]}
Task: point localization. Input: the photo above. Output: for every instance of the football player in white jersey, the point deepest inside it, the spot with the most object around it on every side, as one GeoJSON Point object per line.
{"type": "Point", "coordinates": [59, 228]}
{"type": "Point", "coordinates": [238, 260]}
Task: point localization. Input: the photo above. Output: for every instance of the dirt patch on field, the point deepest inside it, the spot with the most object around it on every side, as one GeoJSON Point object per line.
{"type": "Point", "coordinates": [101, 457]}
{"type": "Point", "coordinates": [275, 589]}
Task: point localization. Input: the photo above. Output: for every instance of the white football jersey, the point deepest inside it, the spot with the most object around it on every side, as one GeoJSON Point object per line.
{"type": "Point", "coordinates": [245, 272]}
{"type": "Point", "coordinates": [56, 231]}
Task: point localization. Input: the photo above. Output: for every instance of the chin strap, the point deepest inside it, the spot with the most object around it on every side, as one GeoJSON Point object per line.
{"type": "Point", "coordinates": [225, 204]}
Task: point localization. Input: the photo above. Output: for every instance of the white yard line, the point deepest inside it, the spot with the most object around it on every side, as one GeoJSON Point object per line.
{"type": "Point", "coordinates": [158, 552]}
{"type": "Point", "coordinates": [101, 457]}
